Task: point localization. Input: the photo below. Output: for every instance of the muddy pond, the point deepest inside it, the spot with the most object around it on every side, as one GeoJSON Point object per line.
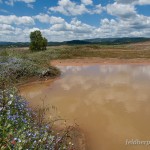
{"type": "Point", "coordinates": [110, 103]}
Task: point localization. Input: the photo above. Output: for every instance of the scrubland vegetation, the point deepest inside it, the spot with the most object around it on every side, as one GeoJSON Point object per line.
{"type": "Point", "coordinates": [20, 126]}
{"type": "Point", "coordinates": [80, 51]}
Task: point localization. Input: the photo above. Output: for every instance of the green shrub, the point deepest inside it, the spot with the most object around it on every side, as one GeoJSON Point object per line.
{"type": "Point", "coordinates": [38, 42]}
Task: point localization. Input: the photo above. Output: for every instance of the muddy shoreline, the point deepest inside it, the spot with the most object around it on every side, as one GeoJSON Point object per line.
{"type": "Point", "coordinates": [93, 60]}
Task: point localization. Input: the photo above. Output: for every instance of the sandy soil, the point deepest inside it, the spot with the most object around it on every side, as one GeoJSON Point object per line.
{"type": "Point", "coordinates": [87, 61]}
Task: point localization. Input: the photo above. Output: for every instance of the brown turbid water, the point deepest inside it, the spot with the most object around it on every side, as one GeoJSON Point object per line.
{"type": "Point", "coordinates": [110, 103]}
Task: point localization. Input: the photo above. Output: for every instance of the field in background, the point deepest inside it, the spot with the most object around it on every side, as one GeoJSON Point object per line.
{"type": "Point", "coordinates": [126, 51]}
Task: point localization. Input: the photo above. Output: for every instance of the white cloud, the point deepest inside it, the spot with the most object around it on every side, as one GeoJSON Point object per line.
{"type": "Point", "coordinates": [87, 2]}
{"type": "Point", "coordinates": [57, 32]}
{"type": "Point", "coordinates": [75, 26]}
{"type": "Point", "coordinates": [69, 8]}
{"type": "Point", "coordinates": [15, 34]}
{"type": "Point", "coordinates": [139, 26]}
{"type": "Point", "coordinates": [97, 9]}
{"type": "Point", "coordinates": [121, 10]}
{"type": "Point", "coordinates": [12, 19]}
{"type": "Point", "coordinates": [134, 2]}
{"type": "Point", "coordinates": [11, 2]}
{"type": "Point", "coordinates": [6, 27]}
{"type": "Point", "coordinates": [126, 23]}
{"type": "Point", "coordinates": [44, 18]}
{"type": "Point", "coordinates": [126, 1]}
{"type": "Point", "coordinates": [26, 1]}
{"type": "Point", "coordinates": [143, 2]}
{"type": "Point", "coordinates": [75, 29]}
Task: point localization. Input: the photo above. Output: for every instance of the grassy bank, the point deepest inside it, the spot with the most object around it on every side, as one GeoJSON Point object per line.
{"type": "Point", "coordinates": [68, 52]}
{"type": "Point", "coordinates": [16, 68]}
{"type": "Point", "coordinates": [21, 128]}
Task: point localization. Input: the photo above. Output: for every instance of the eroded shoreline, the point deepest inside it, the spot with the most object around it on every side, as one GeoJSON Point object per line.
{"type": "Point", "coordinates": [93, 60]}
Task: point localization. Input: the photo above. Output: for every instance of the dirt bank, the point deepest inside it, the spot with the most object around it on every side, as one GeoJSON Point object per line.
{"type": "Point", "coordinates": [93, 60]}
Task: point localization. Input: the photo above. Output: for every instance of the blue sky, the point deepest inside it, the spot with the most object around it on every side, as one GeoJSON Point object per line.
{"type": "Point", "coordinates": [61, 20]}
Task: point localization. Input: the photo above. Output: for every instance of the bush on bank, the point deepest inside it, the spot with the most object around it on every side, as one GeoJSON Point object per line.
{"type": "Point", "coordinates": [15, 69]}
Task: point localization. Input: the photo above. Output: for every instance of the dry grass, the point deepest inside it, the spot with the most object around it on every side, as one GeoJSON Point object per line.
{"type": "Point", "coordinates": [128, 51]}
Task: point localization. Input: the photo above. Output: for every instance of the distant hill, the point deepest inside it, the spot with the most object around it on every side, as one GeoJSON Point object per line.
{"type": "Point", "coordinates": [13, 44]}
{"type": "Point", "coordinates": [123, 40]}
{"type": "Point", "coordinates": [103, 41]}
{"type": "Point", "coordinates": [111, 41]}
{"type": "Point", "coordinates": [79, 42]}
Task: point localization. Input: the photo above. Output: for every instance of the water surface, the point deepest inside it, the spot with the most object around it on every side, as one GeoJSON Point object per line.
{"type": "Point", "coordinates": [111, 103]}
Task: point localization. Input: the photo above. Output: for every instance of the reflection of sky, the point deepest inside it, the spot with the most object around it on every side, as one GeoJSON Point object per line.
{"type": "Point", "coordinates": [104, 83]}
{"type": "Point", "coordinates": [105, 69]}
{"type": "Point", "coordinates": [107, 74]}
{"type": "Point", "coordinates": [100, 84]}
{"type": "Point", "coordinates": [110, 102]}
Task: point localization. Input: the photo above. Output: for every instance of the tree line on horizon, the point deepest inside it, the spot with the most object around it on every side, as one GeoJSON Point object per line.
{"type": "Point", "coordinates": [38, 42]}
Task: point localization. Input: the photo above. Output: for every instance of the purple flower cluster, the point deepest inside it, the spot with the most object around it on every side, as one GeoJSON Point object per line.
{"type": "Point", "coordinates": [19, 129]}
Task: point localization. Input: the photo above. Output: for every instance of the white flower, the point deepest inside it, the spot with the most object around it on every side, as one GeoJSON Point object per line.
{"type": "Point", "coordinates": [10, 102]}
{"type": "Point", "coordinates": [11, 96]}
